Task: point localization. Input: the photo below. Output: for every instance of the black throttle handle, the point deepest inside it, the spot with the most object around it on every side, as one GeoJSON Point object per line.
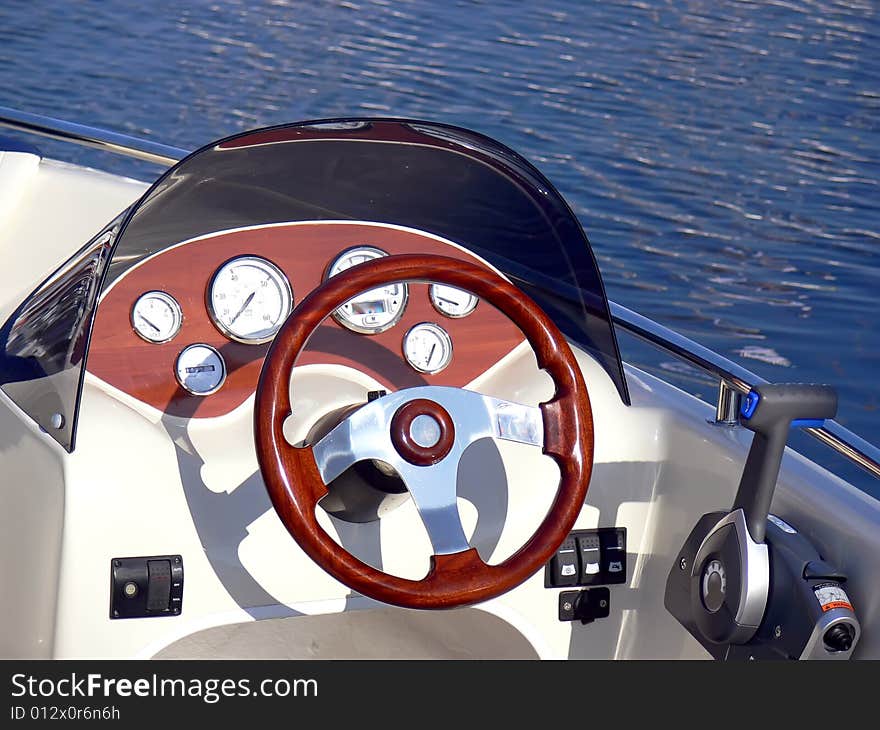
{"type": "Point", "coordinates": [770, 410]}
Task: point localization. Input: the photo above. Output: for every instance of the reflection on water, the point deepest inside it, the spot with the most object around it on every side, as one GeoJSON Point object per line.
{"type": "Point", "coordinates": [722, 156]}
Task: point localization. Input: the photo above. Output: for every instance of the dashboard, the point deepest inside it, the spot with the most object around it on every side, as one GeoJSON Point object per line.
{"type": "Point", "coordinates": [186, 330]}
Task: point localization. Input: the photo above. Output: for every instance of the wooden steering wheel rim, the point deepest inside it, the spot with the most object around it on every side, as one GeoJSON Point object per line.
{"type": "Point", "coordinates": [295, 486]}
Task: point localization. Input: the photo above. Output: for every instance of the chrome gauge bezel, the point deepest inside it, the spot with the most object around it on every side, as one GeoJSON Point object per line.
{"type": "Point", "coordinates": [433, 297]}
{"type": "Point", "coordinates": [223, 371]}
{"type": "Point", "coordinates": [442, 333]}
{"type": "Point", "coordinates": [341, 319]}
{"type": "Point", "coordinates": [171, 302]}
{"type": "Point", "coordinates": [282, 279]}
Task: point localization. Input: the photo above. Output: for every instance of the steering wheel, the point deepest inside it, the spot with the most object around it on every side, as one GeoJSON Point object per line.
{"type": "Point", "coordinates": [422, 433]}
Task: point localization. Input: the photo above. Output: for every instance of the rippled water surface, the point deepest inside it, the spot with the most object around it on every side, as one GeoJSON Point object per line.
{"type": "Point", "coordinates": [722, 156]}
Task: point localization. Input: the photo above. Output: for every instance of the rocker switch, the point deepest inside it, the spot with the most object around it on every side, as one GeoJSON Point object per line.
{"type": "Point", "coordinates": [588, 547]}
{"type": "Point", "coordinates": [158, 585]}
{"type": "Point", "coordinates": [615, 552]}
{"type": "Point", "coordinates": [564, 565]}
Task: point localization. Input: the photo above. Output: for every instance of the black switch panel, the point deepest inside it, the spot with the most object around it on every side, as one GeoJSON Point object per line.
{"type": "Point", "coordinates": [600, 559]}
{"type": "Point", "coordinates": [148, 586]}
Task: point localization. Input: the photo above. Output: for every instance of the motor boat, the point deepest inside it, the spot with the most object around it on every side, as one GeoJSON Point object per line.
{"type": "Point", "coordinates": [352, 388]}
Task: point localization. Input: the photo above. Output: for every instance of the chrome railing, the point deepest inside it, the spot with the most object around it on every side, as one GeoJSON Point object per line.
{"type": "Point", "coordinates": [120, 144]}
{"type": "Point", "coordinates": [734, 380]}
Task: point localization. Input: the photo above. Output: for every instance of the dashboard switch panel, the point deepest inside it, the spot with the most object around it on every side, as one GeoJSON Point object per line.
{"type": "Point", "coordinates": [589, 558]}
{"type": "Point", "coordinates": [145, 587]}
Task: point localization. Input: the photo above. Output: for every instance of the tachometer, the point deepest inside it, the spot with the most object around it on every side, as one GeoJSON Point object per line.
{"type": "Point", "coordinates": [375, 310]}
{"type": "Point", "coordinates": [156, 316]}
{"type": "Point", "coordinates": [249, 298]}
{"type": "Point", "coordinates": [427, 347]}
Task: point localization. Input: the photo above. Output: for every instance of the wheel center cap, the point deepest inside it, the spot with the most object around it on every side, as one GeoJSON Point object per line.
{"type": "Point", "coordinates": [422, 432]}
{"type": "Point", "coordinates": [425, 430]}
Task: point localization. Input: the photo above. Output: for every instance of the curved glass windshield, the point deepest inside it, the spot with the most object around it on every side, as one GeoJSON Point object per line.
{"type": "Point", "coordinates": [443, 180]}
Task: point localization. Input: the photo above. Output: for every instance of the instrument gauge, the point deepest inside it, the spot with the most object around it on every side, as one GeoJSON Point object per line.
{"type": "Point", "coordinates": [427, 347]}
{"type": "Point", "coordinates": [200, 369]}
{"type": "Point", "coordinates": [249, 298]}
{"type": "Point", "coordinates": [372, 311]}
{"type": "Point", "coordinates": [156, 317]}
{"type": "Point", "coordinates": [451, 301]}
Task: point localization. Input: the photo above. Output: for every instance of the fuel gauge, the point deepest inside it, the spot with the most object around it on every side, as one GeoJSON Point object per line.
{"type": "Point", "coordinates": [156, 316]}
{"type": "Point", "coordinates": [451, 301]}
{"type": "Point", "coordinates": [427, 347]}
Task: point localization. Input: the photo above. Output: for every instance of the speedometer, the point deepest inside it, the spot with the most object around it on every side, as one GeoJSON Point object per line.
{"type": "Point", "coordinates": [372, 311]}
{"type": "Point", "coordinates": [249, 298]}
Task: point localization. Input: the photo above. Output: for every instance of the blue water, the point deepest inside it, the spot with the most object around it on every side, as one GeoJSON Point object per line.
{"type": "Point", "coordinates": [722, 156]}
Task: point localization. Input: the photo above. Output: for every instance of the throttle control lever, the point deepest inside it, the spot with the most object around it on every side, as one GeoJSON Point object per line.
{"type": "Point", "coordinates": [721, 584]}
{"type": "Point", "coordinates": [769, 411]}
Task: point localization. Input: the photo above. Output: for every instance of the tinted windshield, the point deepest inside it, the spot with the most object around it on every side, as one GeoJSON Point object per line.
{"type": "Point", "coordinates": [44, 342]}
{"type": "Point", "coordinates": [442, 180]}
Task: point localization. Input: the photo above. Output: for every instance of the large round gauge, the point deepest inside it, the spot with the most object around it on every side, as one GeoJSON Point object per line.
{"type": "Point", "coordinates": [372, 311]}
{"type": "Point", "coordinates": [249, 298]}
{"type": "Point", "coordinates": [156, 316]}
{"type": "Point", "coordinates": [451, 301]}
{"type": "Point", "coordinates": [427, 347]}
{"type": "Point", "coordinates": [200, 369]}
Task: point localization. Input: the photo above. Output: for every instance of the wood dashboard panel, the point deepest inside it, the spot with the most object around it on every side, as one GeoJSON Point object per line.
{"type": "Point", "coordinates": [303, 251]}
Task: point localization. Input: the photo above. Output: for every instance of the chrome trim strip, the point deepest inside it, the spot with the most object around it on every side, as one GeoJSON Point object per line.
{"type": "Point", "coordinates": [733, 376]}
{"type": "Point", "coordinates": [86, 136]}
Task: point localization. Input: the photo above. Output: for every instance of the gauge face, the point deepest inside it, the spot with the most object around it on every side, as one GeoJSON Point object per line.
{"type": "Point", "coordinates": [249, 298]}
{"type": "Point", "coordinates": [200, 369]}
{"type": "Point", "coordinates": [375, 310]}
{"type": "Point", "coordinates": [156, 316]}
{"type": "Point", "coordinates": [427, 347]}
{"type": "Point", "coordinates": [451, 301]}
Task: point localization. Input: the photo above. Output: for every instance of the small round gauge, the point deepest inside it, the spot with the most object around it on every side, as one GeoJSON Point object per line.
{"type": "Point", "coordinates": [249, 298]}
{"type": "Point", "coordinates": [451, 301]}
{"type": "Point", "coordinates": [373, 311]}
{"type": "Point", "coordinates": [200, 369]}
{"type": "Point", "coordinates": [427, 347]}
{"type": "Point", "coordinates": [156, 316]}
